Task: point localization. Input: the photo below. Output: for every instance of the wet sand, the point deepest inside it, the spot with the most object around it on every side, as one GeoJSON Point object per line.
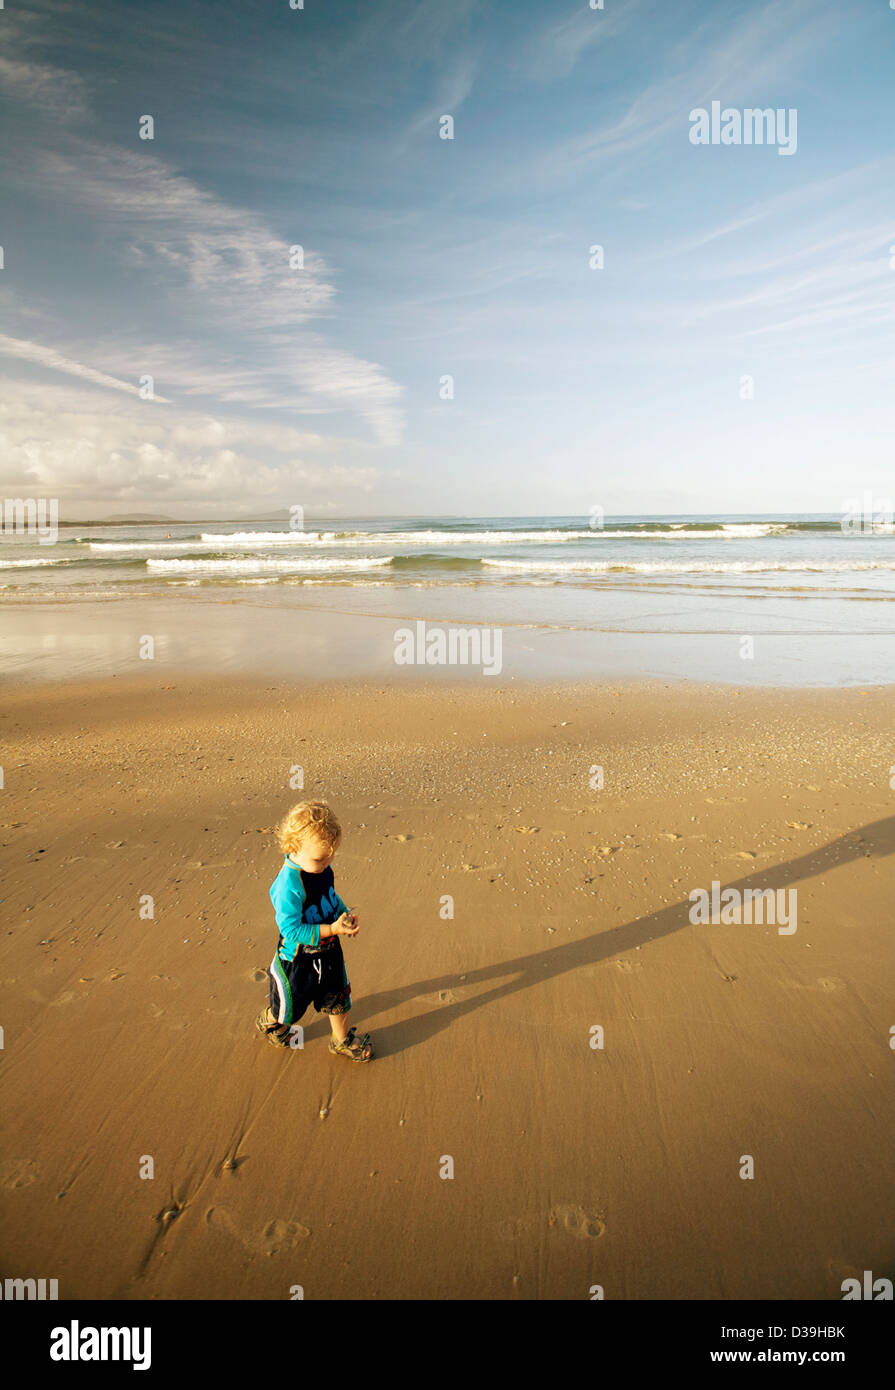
{"type": "Point", "coordinates": [302, 633]}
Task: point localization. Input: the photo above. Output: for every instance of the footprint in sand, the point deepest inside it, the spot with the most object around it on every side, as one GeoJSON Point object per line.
{"type": "Point", "coordinates": [276, 1235]}
{"type": "Point", "coordinates": [629, 965]}
{"type": "Point", "coordinates": [577, 1222]}
{"type": "Point", "coordinates": [517, 1226]}
{"type": "Point", "coordinates": [258, 975]}
{"type": "Point", "coordinates": [18, 1172]}
{"type": "Point", "coordinates": [828, 984]}
{"type": "Point", "coordinates": [839, 1270]}
{"type": "Point", "coordinates": [65, 998]}
{"type": "Point", "coordinates": [174, 1023]}
{"type": "Point", "coordinates": [279, 1234]}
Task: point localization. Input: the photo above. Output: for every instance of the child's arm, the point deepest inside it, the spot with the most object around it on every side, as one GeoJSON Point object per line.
{"type": "Point", "coordinates": [288, 901]}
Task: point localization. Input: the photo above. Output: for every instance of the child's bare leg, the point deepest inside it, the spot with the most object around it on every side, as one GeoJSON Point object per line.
{"type": "Point", "coordinates": [340, 1025]}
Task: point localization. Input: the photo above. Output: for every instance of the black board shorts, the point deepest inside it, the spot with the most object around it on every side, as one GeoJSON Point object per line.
{"type": "Point", "coordinates": [316, 976]}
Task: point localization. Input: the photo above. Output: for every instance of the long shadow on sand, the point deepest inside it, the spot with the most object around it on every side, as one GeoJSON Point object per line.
{"type": "Point", "coordinates": [878, 841]}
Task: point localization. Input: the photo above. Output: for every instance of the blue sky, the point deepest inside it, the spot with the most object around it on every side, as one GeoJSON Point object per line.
{"type": "Point", "coordinates": [424, 257]}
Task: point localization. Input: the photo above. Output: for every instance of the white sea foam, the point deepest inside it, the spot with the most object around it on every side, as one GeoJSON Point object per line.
{"type": "Point", "coordinates": [746, 531]}
{"type": "Point", "coordinates": [349, 583]}
{"type": "Point", "coordinates": [249, 538]}
{"type": "Point", "coordinates": [260, 540]}
{"type": "Point", "coordinates": [28, 564]}
{"type": "Point", "coordinates": [263, 538]}
{"type": "Point", "coordinates": [692, 566]}
{"type": "Point", "coordinates": [250, 563]}
{"type": "Point", "coordinates": [125, 547]}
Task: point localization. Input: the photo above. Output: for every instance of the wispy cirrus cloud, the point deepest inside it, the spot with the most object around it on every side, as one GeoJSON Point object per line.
{"type": "Point", "coordinates": [55, 361]}
{"type": "Point", "coordinates": [307, 378]}
{"type": "Point", "coordinates": [48, 88]}
{"type": "Point", "coordinates": [555, 49]}
{"type": "Point", "coordinates": [219, 271]}
{"type": "Point", "coordinates": [731, 56]}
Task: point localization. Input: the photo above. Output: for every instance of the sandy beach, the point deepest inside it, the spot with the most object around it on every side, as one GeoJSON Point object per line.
{"type": "Point", "coordinates": [574, 1165]}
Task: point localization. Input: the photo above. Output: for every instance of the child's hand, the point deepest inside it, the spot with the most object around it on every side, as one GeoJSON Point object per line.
{"type": "Point", "coordinates": [347, 924]}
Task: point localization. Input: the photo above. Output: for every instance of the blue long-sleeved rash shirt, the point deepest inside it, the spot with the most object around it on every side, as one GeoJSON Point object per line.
{"type": "Point", "coordinates": [301, 902]}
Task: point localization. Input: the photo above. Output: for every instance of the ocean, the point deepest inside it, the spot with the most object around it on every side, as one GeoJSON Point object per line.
{"type": "Point", "coordinates": [792, 578]}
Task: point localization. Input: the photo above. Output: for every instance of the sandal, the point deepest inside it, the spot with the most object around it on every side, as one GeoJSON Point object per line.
{"type": "Point", "coordinates": [276, 1033]}
{"type": "Point", "coordinates": [353, 1047]}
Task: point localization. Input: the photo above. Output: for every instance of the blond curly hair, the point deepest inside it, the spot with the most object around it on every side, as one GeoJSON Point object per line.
{"type": "Point", "coordinates": [308, 819]}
